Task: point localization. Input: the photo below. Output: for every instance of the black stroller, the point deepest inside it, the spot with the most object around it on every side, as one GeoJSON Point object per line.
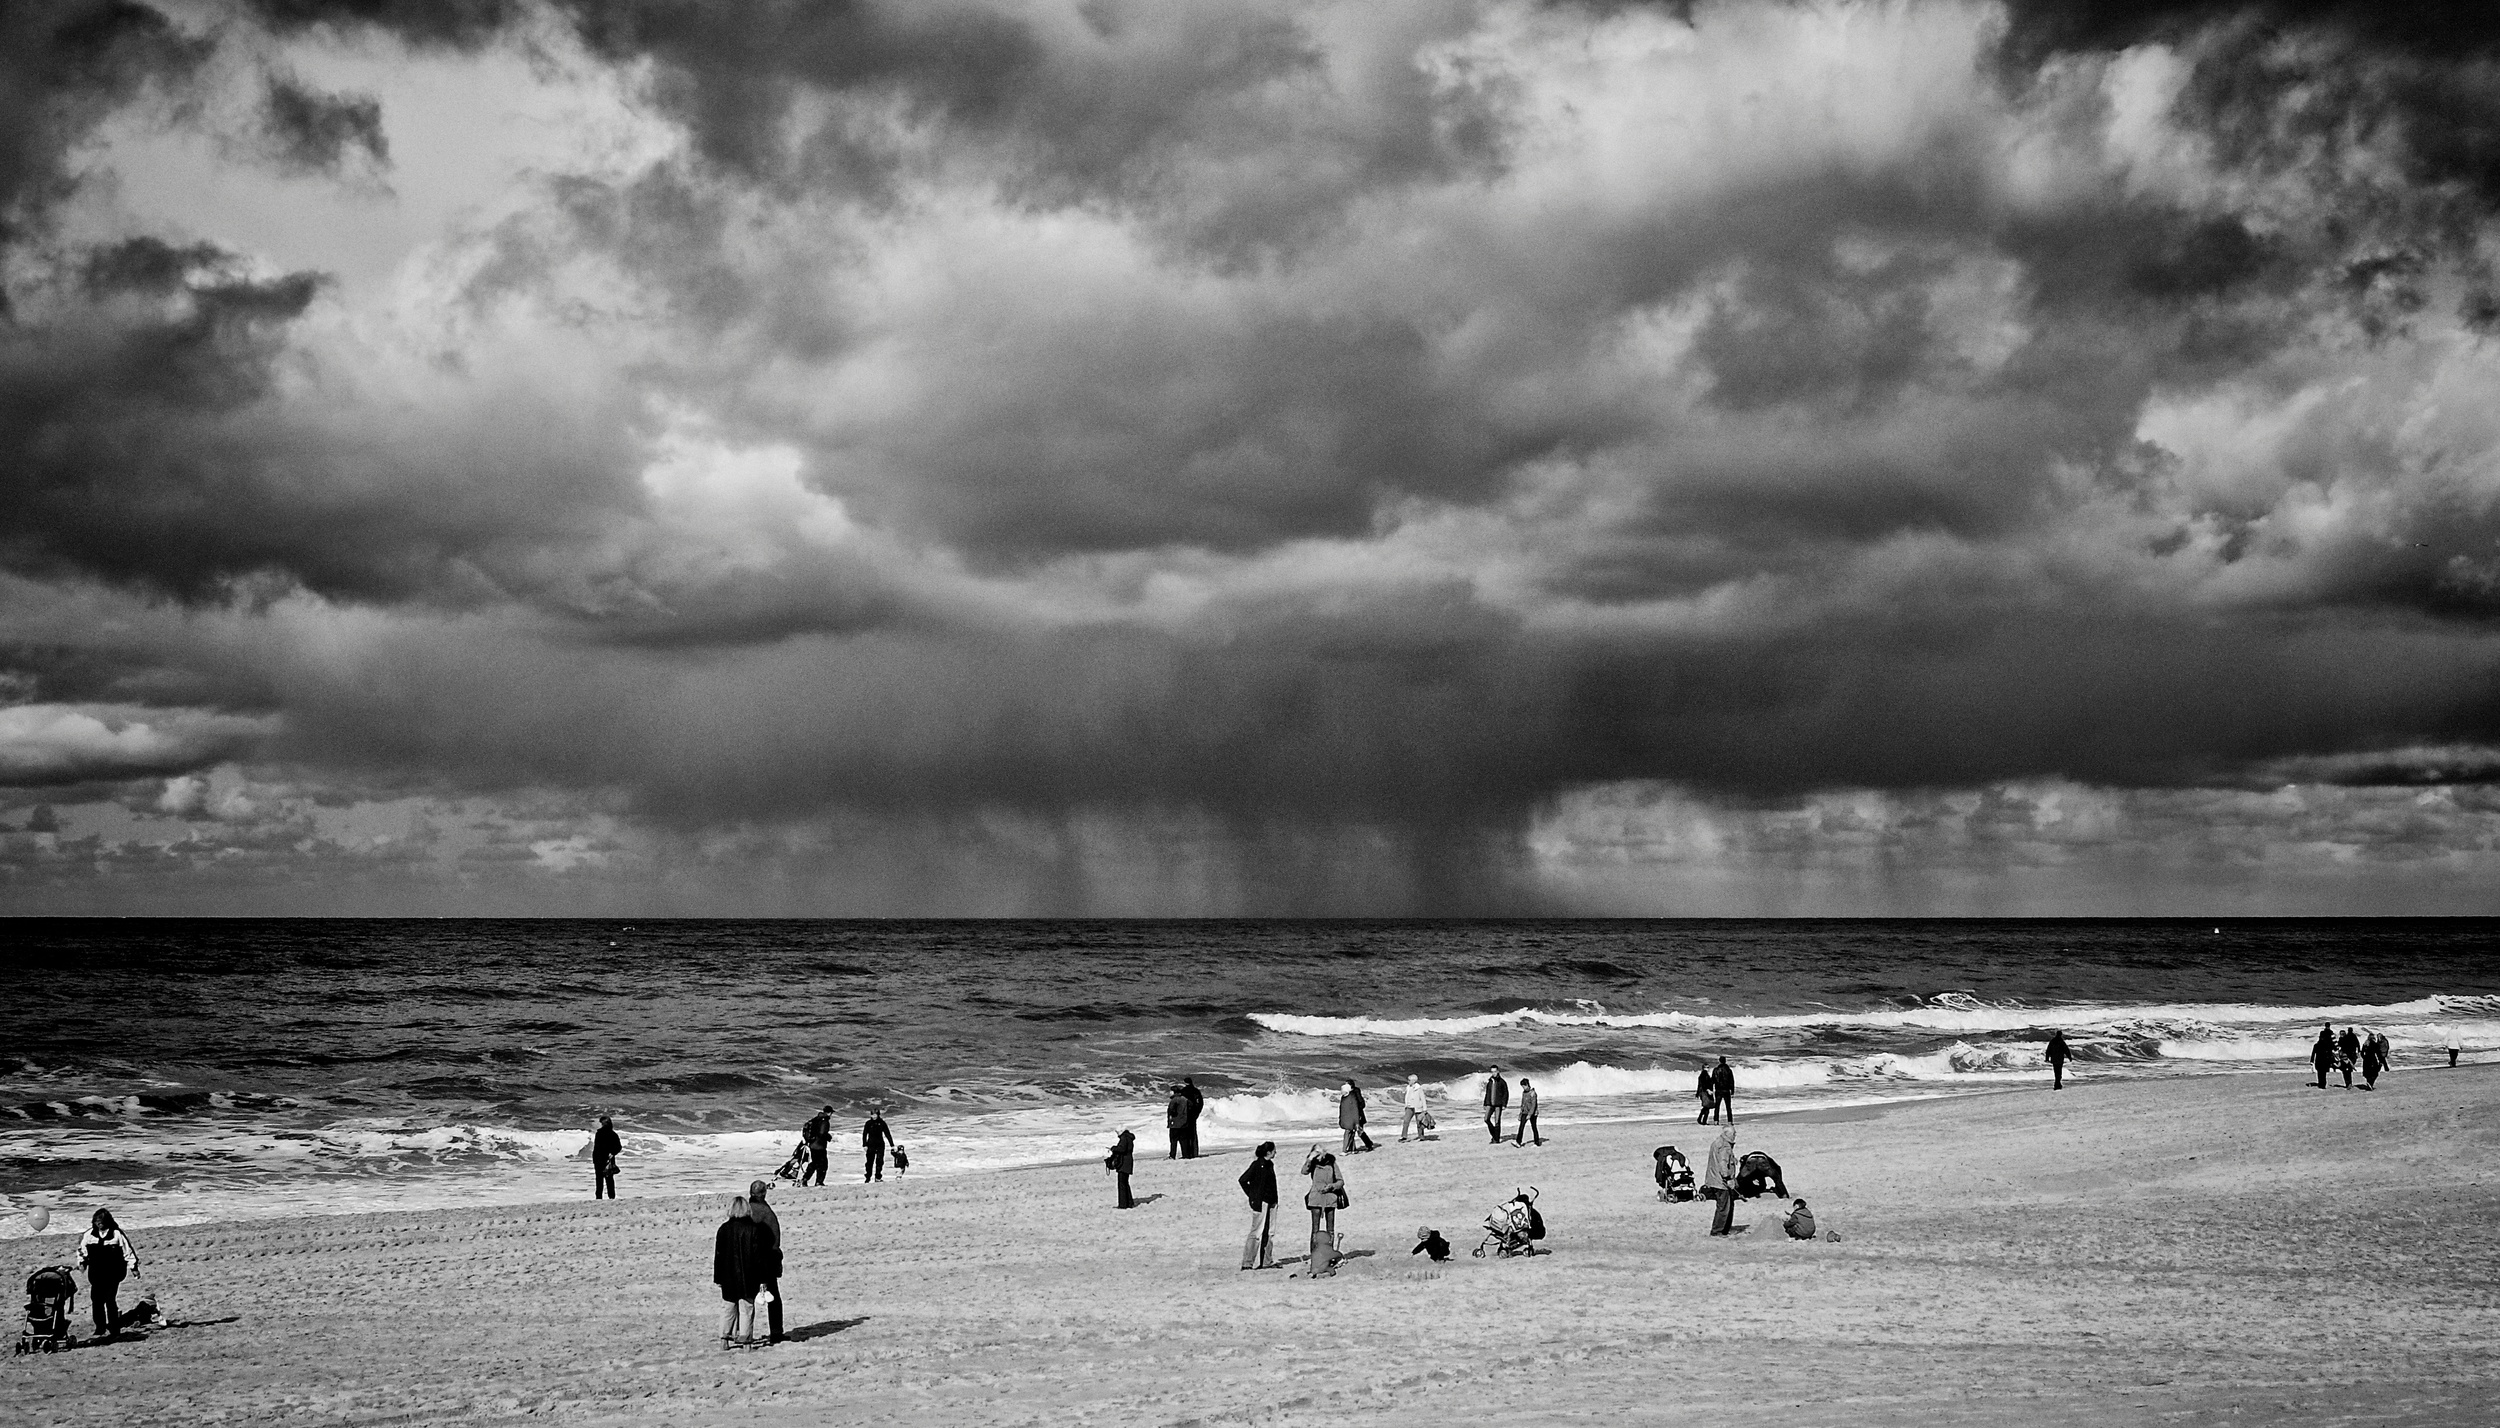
{"type": "Point", "coordinates": [50, 1296]}
{"type": "Point", "coordinates": [1675, 1174]}
{"type": "Point", "coordinates": [1513, 1228]}
{"type": "Point", "coordinates": [796, 1165]}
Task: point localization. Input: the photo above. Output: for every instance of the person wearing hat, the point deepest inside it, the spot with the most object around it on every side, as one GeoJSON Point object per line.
{"type": "Point", "coordinates": [770, 1284]}
{"type": "Point", "coordinates": [1417, 1118]}
{"type": "Point", "coordinates": [818, 1133]}
{"type": "Point", "coordinates": [1122, 1161]}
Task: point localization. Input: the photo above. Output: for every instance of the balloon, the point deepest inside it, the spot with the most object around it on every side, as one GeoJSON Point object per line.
{"type": "Point", "coordinates": [38, 1219]}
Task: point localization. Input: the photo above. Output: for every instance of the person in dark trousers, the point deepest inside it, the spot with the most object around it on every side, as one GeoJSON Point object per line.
{"type": "Point", "coordinates": [2347, 1054]}
{"type": "Point", "coordinates": [818, 1133]}
{"type": "Point", "coordinates": [2455, 1045]}
{"type": "Point", "coordinates": [1175, 1113]}
{"type": "Point", "coordinates": [1122, 1161]}
{"type": "Point", "coordinates": [1428, 1242]}
{"type": "Point", "coordinates": [1528, 1128]}
{"type": "Point", "coordinates": [874, 1136]}
{"type": "Point", "coordinates": [104, 1252]}
{"type": "Point", "coordinates": [604, 1148]}
{"type": "Point", "coordinates": [1496, 1100]}
{"type": "Point", "coordinates": [1259, 1183]}
{"type": "Point", "coordinates": [763, 1214]}
{"type": "Point", "coordinates": [2373, 1061]}
{"type": "Point", "coordinates": [1723, 1084]}
{"type": "Point", "coordinates": [1708, 1091]}
{"type": "Point", "coordinates": [2057, 1060]}
{"type": "Point", "coordinates": [1718, 1181]}
{"type": "Point", "coordinates": [1189, 1123]}
{"type": "Point", "coordinates": [742, 1255]}
{"type": "Point", "coordinates": [2322, 1053]}
{"type": "Point", "coordinates": [1354, 1117]}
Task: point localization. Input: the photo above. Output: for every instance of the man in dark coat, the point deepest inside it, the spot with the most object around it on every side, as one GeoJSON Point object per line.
{"type": "Point", "coordinates": [1189, 1123]}
{"type": "Point", "coordinates": [1496, 1100]}
{"type": "Point", "coordinates": [1259, 1184]}
{"type": "Point", "coordinates": [763, 1214]}
{"type": "Point", "coordinates": [2322, 1053]}
{"type": "Point", "coordinates": [874, 1136]}
{"type": "Point", "coordinates": [2347, 1051]}
{"type": "Point", "coordinates": [2057, 1060]}
{"type": "Point", "coordinates": [1175, 1115]}
{"type": "Point", "coordinates": [1723, 1081]}
{"type": "Point", "coordinates": [604, 1148]}
{"type": "Point", "coordinates": [818, 1133]}
{"type": "Point", "coordinates": [1122, 1161]}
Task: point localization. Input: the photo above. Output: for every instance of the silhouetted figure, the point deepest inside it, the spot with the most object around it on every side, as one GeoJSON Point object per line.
{"type": "Point", "coordinates": [1122, 1161]}
{"type": "Point", "coordinates": [874, 1136]}
{"type": "Point", "coordinates": [2322, 1053]}
{"type": "Point", "coordinates": [1723, 1082]}
{"type": "Point", "coordinates": [1189, 1124]}
{"type": "Point", "coordinates": [1707, 1091]}
{"type": "Point", "coordinates": [2373, 1060]}
{"type": "Point", "coordinates": [2347, 1054]}
{"type": "Point", "coordinates": [818, 1133]}
{"type": "Point", "coordinates": [2057, 1063]}
{"type": "Point", "coordinates": [1175, 1113]}
{"type": "Point", "coordinates": [604, 1148]}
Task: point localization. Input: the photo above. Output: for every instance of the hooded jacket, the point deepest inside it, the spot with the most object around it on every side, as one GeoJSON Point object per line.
{"type": "Point", "coordinates": [1719, 1167]}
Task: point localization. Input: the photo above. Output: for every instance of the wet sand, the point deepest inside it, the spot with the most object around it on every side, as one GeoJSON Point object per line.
{"type": "Point", "coordinates": [2237, 1249]}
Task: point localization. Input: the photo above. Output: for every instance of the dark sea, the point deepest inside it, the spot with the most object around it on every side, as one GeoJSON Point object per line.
{"type": "Point", "coordinates": [182, 1071]}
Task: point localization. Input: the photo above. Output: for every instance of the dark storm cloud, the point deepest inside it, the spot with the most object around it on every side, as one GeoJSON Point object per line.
{"type": "Point", "coordinates": [64, 66]}
{"type": "Point", "coordinates": [308, 131]}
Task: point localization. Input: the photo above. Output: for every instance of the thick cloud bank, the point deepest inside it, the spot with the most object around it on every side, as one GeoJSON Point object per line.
{"type": "Point", "coordinates": [1174, 456]}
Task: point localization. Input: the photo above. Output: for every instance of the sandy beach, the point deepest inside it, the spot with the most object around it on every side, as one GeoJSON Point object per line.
{"type": "Point", "coordinates": [2239, 1249]}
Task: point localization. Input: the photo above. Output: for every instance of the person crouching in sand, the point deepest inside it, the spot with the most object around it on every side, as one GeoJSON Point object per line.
{"type": "Point", "coordinates": [1259, 1183]}
{"type": "Point", "coordinates": [1800, 1221]}
{"type": "Point", "coordinates": [741, 1261]}
{"type": "Point", "coordinates": [1718, 1181]}
{"type": "Point", "coordinates": [1324, 1199]}
{"type": "Point", "coordinates": [1122, 1161]}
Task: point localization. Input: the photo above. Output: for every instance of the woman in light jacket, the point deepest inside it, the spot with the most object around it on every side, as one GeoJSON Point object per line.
{"type": "Point", "coordinates": [1326, 1196]}
{"type": "Point", "coordinates": [107, 1256]}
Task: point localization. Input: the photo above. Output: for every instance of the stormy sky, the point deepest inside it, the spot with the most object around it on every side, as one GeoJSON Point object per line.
{"type": "Point", "coordinates": [1147, 456]}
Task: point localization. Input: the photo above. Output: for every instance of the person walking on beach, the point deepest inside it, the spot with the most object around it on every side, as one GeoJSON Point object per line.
{"type": "Point", "coordinates": [1122, 1161]}
{"type": "Point", "coordinates": [2057, 1060]}
{"type": "Point", "coordinates": [818, 1133]}
{"type": "Point", "coordinates": [1496, 1100]}
{"type": "Point", "coordinates": [2455, 1045]}
{"type": "Point", "coordinates": [1324, 1199]}
{"type": "Point", "coordinates": [2373, 1061]}
{"type": "Point", "coordinates": [1708, 1091]}
{"type": "Point", "coordinates": [1416, 1102]}
{"type": "Point", "coordinates": [105, 1253]}
{"type": "Point", "coordinates": [742, 1255]}
{"type": "Point", "coordinates": [769, 1287]}
{"type": "Point", "coordinates": [1718, 1181]}
{"type": "Point", "coordinates": [874, 1136]}
{"type": "Point", "coordinates": [2347, 1054]}
{"type": "Point", "coordinates": [1259, 1183]}
{"type": "Point", "coordinates": [2322, 1053]}
{"type": "Point", "coordinates": [1528, 1128]}
{"type": "Point", "coordinates": [1723, 1084]}
{"type": "Point", "coordinates": [1349, 1114]}
{"type": "Point", "coordinates": [604, 1148]}
{"type": "Point", "coordinates": [1175, 1111]}
{"type": "Point", "coordinates": [1189, 1124]}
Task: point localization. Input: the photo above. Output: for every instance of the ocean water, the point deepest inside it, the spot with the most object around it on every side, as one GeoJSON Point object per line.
{"type": "Point", "coordinates": [184, 1071]}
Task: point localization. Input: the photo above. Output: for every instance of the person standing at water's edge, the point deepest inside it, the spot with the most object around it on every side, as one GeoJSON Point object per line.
{"type": "Point", "coordinates": [1259, 1183]}
{"type": "Point", "coordinates": [1707, 1091]}
{"type": "Point", "coordinates": [741, 1260]}
{"type": "Point", "coordinates": [764, 1215]}
{"type": "Point", "coordinates": [1528, 1128]}
{"type": "Point", "coordinates": [1175, 1113]}
{"type": "Point", "coordinates": [2322, 1053]}
{"type": "Point", "coordinates": [2057, 1060]}
{"type": "Point", "coordinates": [604, 1148]}
{"type": "Point", "coordinates": [818, 1133]}
{"type": "Point", "coordinates": [105, 1253]}
{"type": "Point", "coordinates": [1723, 1085]}
{"type": "Point", "coordinates": [1189, 1125]}
{"type": "Point", "coordinates": [2347, 1054]}
{"type": "Point", "coordinates": [874, 1136]}
{"type": "Point", "coordinates": [1416, 1102]}
{"type": "Point", "coordinates": [1122, 1161]}
{"type": "Point", "coordinates": [2373, 1060]}
{"type": "Point", "coordinates": [1496, 1100]}
{"type": "Point", "coordinates": [2455, 1045]}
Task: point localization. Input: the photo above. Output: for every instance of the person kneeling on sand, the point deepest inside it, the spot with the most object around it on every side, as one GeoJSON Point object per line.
{"type": "Point", "coordinates": [1324, 1199]}
{"type": "Point", "coordinates": [1428, 1242]}
{"type": "Point", "coordinates": [742, 1253]}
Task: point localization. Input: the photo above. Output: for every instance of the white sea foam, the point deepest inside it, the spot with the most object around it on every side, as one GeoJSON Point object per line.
{"type": "Point", "coordinates": [1949, 1012]}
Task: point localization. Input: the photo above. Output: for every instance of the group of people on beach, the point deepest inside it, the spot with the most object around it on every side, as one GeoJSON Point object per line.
{"type": "Point", "coordinates": [876, 1141]}
{"type": "Point", "coordinates": [2370, 1053]}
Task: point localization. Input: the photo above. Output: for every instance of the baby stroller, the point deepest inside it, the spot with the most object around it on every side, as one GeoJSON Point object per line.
{"type": "Point", "coordinates": [50, 1296]}
{"type": "Point", "coordinates": [1513, 1228]}
{"type": "Point", "coordinates": [1675, 1174]}
{"type": "Point", "coordinates": [796, 1165]}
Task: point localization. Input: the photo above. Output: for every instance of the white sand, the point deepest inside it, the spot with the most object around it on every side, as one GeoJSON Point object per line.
{"type": "Point", "coordinates": [2220, 1250]}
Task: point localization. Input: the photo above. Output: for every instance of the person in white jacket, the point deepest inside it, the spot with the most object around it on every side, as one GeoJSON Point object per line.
{"type": "Point", "coordinates": [1416, 1118]}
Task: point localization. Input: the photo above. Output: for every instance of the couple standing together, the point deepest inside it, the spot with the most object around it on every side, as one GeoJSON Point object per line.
{"type": "Point", "coordinates": [1325, 1197]}
{"type": "Point", "coordinates": [1497, 1100]}
{"type": "Point", "coordinates": [746, 1264]}
{"type": "Point", "coordinates": [875, 1136]}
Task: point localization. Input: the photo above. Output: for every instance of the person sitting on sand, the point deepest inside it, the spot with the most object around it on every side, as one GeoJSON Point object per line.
{"type": "Point", "coordinates": [1718, 1181]}
{"type": "Point", "coordinates": [1122, 1161]}
{"type": "Point", "coordinates": [1800, 1221]}
{"type": "Point", "coordinates": [105, 1253]}
{"type": "Point", "coordinates": [742, 1253]}
{"type": "Point", "coordinates": [1324, 1199]}
{"type": "Point", "coordinates": [1428, 1242]}
{"type": "Point", "coordinates": [1259, 1183]}
{"type": "Point", "coordinates": [770, 1285]}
